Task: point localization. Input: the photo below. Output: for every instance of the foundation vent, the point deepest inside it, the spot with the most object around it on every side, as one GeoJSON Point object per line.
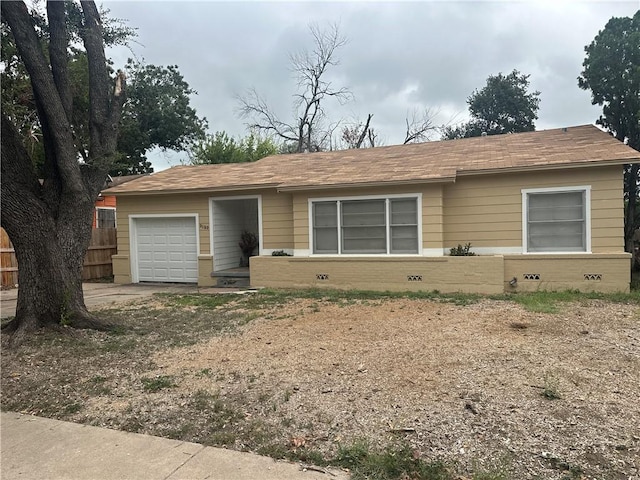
{"type": "Point", "coordinates": [414, 278]}
{"type": "Point", "coordinates": [322, 276]}
{"type": "Point", "coordinates": [531, 276]}
{"type": "Point", "coordinates": [596, 277]}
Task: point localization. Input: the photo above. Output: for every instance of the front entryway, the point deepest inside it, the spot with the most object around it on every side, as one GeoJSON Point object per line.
{"type": "Point", "coordinates": [230, 218]}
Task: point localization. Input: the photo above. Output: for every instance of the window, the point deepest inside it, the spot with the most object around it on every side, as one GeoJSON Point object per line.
{"type": "Point", "coordinates": [365, 226]}
{"type": "Point", "coordinates": [556, 220]}
{"type": "Point", "coordinates": [105, 218]}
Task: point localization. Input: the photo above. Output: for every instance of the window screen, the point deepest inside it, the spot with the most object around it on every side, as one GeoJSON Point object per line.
{"type": "Point", "coordinates": [556, 222]}
{"type": "Point", "coordinates": [368, 226]}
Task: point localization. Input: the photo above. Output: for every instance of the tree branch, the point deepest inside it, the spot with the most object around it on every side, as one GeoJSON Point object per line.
{"type": "Point", "coordinates": [47, 96]}
{"type": "Point", "coordinates": [58, 41]}
{"type": "Point", "coordinates": [105, 104]}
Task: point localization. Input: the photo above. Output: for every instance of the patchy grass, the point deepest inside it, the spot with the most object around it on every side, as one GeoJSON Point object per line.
{"type": "Point", "coordinates": [74, 375]}
{"type": "Point", "coordinates": [553, 302]}
{"type": "Point", "coordinates": [393, 462]}
{"type": "Point", "coordinates": [157, 383]}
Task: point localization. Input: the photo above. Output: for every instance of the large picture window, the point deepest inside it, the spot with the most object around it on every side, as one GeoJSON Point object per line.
{"type": "Point", "coordinates": [365, 226]}
{"type": "Point", "coordinates": [556, 220]}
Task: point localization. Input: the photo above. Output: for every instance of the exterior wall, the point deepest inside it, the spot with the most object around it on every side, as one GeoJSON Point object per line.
{"type": "Point", "coordinates": [587, 273]}
{"type": "Point", "coordinates": [479, 274]}
{"type": "Point", "coordinates": [159, 205]}
{"type": "Point", "coordinates": [277, 221]}
{"type": "Point", "coordinates": [487, 210]}
{"type": "Point", "coordinates": [445, 274]}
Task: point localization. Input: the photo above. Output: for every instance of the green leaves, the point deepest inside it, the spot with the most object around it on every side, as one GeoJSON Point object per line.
{"type": "Point", "coordinates": [504, 105]}
{"type": "Point", "coordinates": [220, 148]}
{"type": "Point", "coordinates": [157, 113]}
{"type": "Point", "coordinates": [612, 73]}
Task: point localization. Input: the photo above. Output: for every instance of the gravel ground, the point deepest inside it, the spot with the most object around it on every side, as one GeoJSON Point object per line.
{"type": "Point", "coordinates": [485, 387]}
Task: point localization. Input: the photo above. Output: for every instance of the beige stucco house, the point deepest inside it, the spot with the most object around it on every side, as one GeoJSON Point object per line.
{"type": "Point", "coordinates": [542, 210]}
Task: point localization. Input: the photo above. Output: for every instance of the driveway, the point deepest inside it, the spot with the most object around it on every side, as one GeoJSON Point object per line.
{"type": "Point", "coordinates": [103, 294]}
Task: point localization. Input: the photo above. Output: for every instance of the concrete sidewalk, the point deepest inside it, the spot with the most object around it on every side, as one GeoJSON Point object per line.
{"type": "Point", "coordinates": [102, 294]}
{"type": "Point", "coordinates": [35, 448]}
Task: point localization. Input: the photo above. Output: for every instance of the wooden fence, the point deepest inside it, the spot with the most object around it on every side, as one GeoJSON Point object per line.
{"type": "Point", "coordinates": [97, 262]}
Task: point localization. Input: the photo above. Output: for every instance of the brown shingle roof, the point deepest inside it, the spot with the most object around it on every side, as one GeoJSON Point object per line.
{"type": "Point", "coordinates": [415, 163]}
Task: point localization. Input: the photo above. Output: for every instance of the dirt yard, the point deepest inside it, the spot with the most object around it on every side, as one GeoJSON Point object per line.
{"type": "Point", "coordinates": [485, 387]}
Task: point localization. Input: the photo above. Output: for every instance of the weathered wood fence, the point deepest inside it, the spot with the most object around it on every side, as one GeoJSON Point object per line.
{"type": "Point", "coordinates": [97, 263]}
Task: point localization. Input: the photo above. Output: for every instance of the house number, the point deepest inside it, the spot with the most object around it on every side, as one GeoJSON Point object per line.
{"type": "Point", "coordinates": [204, 226]}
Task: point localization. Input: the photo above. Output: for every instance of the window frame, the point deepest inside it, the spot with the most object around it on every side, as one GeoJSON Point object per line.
{"type": "Point", "coordinates": [586, 189]}
{"type": "Point", "coordinates": [412, 196]}
{"type": "Point", "coordinates": [115, 217]}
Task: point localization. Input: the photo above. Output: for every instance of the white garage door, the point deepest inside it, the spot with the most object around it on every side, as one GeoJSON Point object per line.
{"type": "Point", "coordinates": [167, 249]}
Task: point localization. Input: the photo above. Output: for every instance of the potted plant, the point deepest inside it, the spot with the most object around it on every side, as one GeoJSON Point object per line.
{"type": "Point", "coordinates": [248, 243]}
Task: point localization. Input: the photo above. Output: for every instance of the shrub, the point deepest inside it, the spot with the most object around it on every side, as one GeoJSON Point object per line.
{"type": "Point", "coordinates": [462, 251]}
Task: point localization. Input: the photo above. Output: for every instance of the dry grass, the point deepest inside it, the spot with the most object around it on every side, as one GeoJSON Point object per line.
{"type": "Point", "coordinates": [485, 386]}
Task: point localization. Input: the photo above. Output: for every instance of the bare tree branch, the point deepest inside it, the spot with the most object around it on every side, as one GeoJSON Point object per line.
{"type": "Point", "coordinates": [353, 136]}
{"type": "Point", "coordinates": [421, 126]}
{"type": "Point", "coordinates": [310, 70]}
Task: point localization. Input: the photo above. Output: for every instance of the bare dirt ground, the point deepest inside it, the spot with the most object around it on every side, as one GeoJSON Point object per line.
{"type": "Point", "coordinates": [484, 387]}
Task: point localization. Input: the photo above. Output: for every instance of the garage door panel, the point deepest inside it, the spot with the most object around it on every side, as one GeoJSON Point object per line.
{"type": "Point", "coordinates": [167, 249]}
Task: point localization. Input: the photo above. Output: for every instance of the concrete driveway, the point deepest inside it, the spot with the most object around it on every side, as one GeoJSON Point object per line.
{"type": "Point", "coordinates": [103, 294]}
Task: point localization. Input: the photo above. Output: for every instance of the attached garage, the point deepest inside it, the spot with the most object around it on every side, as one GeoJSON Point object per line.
{"type": "Point", "coordinates": [165, 249]}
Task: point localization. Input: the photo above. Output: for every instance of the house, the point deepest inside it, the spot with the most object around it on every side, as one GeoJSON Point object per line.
{"type": "Point", "coordinates": [104, 215]}
{"type": "Point", "coordinates": [542, 210]}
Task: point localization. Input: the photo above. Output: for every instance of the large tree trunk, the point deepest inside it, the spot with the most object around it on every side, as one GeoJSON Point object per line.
{"type": "Point", "coordinates": [49, 221]}
{"type": "Point", "coordinates": [49, 250]}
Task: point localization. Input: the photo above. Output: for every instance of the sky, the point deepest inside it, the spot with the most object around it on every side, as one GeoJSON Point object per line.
{"type": "Point", "coordinates": [400, 57]}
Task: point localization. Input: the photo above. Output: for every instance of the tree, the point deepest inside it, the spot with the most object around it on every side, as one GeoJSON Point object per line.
{"type": "Point", "coordinates": [420, 127]}
{"type": "Point", "coordinates": [612, 73]}
{"type": "Point", "coordinates": [220, 148]}
{"type": "Point", "coordinates": [49, 221]}
{"type": "Point", "coordinates": [306, 132]}
{"type": "Point", "coordinates": [157, 113]}
{"type": "Point", "coordinates": [354, 135]}
{"type": "Point", "coordinates": [504, 105]}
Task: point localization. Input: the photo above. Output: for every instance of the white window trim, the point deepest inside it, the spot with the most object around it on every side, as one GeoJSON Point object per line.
{"type": "Point", "coordinates": [417, 196]}
{"type": "Point", "coordinates": [525, 209]}
{"type": "Point", "coordinates": [115, 215]}
{"type": "Point", "coordinates": [133, 237]}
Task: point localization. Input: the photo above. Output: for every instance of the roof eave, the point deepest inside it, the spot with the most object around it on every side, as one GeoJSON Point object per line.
{"type": "Point", "coordinates": [335, 186]}
{"type": "Point", "coordinates": [554, 166]}
{"type": "Point", "coordinates": [196, 190]}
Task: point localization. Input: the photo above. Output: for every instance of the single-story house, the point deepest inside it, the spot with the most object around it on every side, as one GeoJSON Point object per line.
{"type": "Point", "coordinates": [541, 210]}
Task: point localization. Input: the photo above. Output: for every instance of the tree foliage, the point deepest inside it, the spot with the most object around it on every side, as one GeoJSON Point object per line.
{"type": "Point", "coordinates": [503, 105]}
{"type": "Point", "coordinates": [611, 71]}
{"type": "Point", "coordinates": [220, 148]}
{"type": "Point", "coordinates": [308, 131]}
{"type": "Point", "coordinates": [157, 113]}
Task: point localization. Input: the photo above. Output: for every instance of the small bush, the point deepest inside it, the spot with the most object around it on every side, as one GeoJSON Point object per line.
{"type": "Point", "coordinates": [462, 251]}
{"type": "Point", "coordinates": [157, 383]}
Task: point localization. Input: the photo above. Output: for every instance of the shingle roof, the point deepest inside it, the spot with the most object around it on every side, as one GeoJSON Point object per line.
{"type": "Point", "coordinates": [415, 163]}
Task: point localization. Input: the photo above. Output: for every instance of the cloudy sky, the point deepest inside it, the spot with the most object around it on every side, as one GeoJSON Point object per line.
{"type": "Point", "coordinates": [400, 56]}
